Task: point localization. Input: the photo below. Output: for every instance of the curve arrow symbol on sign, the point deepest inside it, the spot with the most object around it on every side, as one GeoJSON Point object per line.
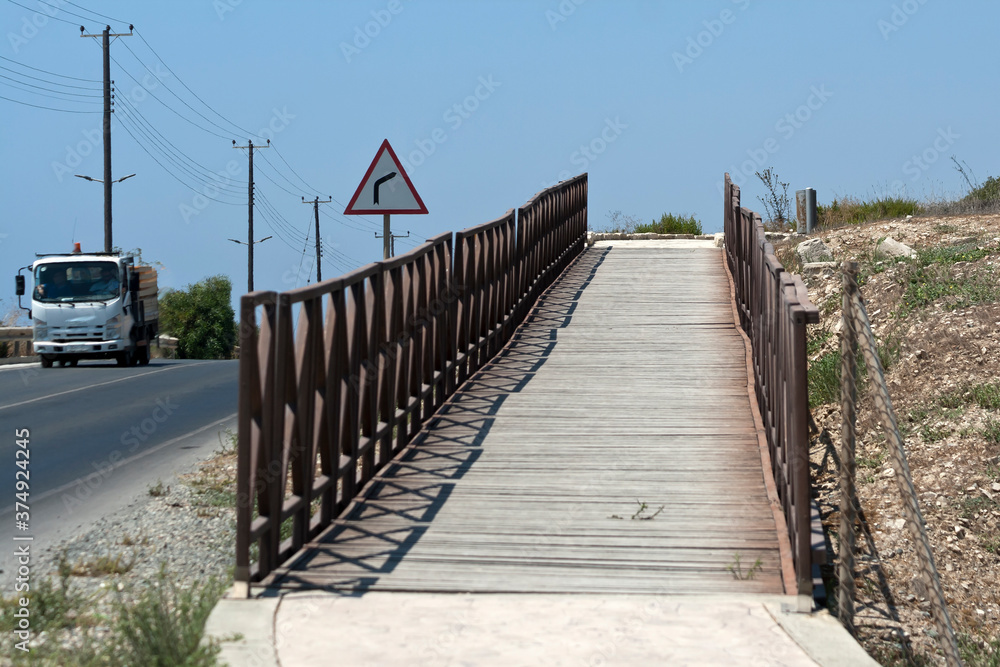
{"type": "Point", "coordinates": [391, 175]}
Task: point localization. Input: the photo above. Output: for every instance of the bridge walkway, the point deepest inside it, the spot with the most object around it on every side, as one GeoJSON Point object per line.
{"type": "Point", "coordinates": [609, 448]}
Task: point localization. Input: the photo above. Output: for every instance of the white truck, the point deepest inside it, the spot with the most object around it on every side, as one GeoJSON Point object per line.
{"type": "Point", "coordinates": [91, 306]}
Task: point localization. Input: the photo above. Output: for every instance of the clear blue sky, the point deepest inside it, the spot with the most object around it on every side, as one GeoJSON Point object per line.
{"type": "Point", "coordinates": [487, 102]}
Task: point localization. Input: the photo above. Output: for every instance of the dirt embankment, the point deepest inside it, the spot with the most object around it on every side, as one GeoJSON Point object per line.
{"type": "Point", "coordinates": [937, 319]}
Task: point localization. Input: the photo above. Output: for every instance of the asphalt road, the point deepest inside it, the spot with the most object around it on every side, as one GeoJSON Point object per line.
{"type": "Point", "coordinates": [98, 436]}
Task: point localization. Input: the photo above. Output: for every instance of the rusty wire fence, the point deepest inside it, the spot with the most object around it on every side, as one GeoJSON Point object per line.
{"type": "Point", "coordinates": [857, 334]}
{"type": "Point", "coordinates": [337, 377]}
{"type": "Point", "coordinates": [774, 309]}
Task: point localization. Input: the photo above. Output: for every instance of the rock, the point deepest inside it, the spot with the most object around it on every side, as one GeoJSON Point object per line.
{"type": "Point", "coordinates": [889, 472]}
{"type": "Point", "coordinates": [995, 486]}
{"type": "Point", "coordinates": [893, 248]}
{"type": "Point", "coordinates": [813, 250]}
{"type": "Point", "coordinates": [899, 524]}
{"type": "Point", "coordinates": [825, 269]}
{"type": "Point", "coordinates": [720, 240]}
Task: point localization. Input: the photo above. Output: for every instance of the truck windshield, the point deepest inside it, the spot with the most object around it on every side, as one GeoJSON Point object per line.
{"type": "Point", "coordinates": [77, 281]}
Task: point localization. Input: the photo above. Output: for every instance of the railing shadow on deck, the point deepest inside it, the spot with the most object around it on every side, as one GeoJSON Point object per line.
{"type": "Point", "coordinates": [337, 377]}
{"type": "Point", "coordinates": [439, 451]}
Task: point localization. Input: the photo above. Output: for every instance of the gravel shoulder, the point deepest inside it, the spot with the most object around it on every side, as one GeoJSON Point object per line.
{"type": "Point", "coordinates": [185, 525]}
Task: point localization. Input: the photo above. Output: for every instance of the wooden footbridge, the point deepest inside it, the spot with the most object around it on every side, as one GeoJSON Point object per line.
{"type": "Point", "coordinates": [506, 410]}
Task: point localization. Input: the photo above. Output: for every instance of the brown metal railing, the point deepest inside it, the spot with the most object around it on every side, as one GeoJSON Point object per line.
{"type": "Point", "coordinates": [774, 310]}
{"type": "Point", "coordinates": [337, 377]}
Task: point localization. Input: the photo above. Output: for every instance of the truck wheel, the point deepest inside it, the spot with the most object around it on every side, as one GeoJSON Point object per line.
{"type": "Point", "coordinates": [142, 355]}
{"type": "Point", "coordinates": [123, 359]}
{"type": "Point", "coordinates": [71, 362]}
{"type": "Point", "coordinates": [46, 361]}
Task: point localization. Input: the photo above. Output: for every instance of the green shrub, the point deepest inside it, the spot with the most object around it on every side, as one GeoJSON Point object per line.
{"type": "Point", "coordinates": [671, 224]}
{"type": "Point", "coordinates": [202, 319]}
{"type": "Point", "coordinates": [824, 379]}
{"type": "Point", "coordinates": [165, 626]}
{"type": "Point", "coordinates": [850, 211]}
{"type": "Point", "coordinates": [987, 193]}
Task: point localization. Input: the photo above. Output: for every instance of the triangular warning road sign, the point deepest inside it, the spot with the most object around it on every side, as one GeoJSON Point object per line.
{"type": "Point", "coordinates": [385, 188]}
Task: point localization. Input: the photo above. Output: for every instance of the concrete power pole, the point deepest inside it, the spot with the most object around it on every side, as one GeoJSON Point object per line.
{"type": "Point", "coordinates": [250, 241]}
{"type": "Point", "coordinates": [106, 36]}
{"type": "Point", "coordinates": [319, 266]}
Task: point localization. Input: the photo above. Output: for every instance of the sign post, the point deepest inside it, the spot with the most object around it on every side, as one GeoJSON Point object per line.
{"type": "Point", "coordinates": [385, 189]}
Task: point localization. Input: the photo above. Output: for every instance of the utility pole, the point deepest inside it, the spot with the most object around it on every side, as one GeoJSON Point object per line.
{"type": "Point", "coordinates": [106, 36]}
{"type": "Point", "coordinates": [250, 241]}
{"type": "Point", "coordinates": [390, 243]}
{"type": "Point", "coordinates": [319, 265]}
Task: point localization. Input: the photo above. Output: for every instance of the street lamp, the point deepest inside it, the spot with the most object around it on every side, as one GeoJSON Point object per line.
{"type": "Point", "coordinates": [107, 205]}
{"type": "Point", "coordinates": [249, 250]}
{"type": "Point", "coordinates": [97, 180]}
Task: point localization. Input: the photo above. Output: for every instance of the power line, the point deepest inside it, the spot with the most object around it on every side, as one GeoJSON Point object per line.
{"type": "Point", "coordinates": [35, 11]}
{"type": "Point", "coordinates": [35, 92]}
{"type": "Point", "coordinates": [279, 185]}
{"type": "Point", "coordinates": [63, 76]}
{"type": "Point", "coordinates": [128, 110]}
{"type": "Point", "coordinates": [91, 11]}
{"type": "Point", "coordinates": [66, 11]}
{"type": "Point", "coordinates": [54, 83]}
{"type": "Point", "coordinates": [60, 92]}
{"type": "Point", "coordinates": [171, 173]}
{"type": "Point", "coordinates": [175, 94]}
{"type": "Point", "coordinates": [39, 106]}
{"type": "Point", "coordinates": [309, 188]}
{"type": "Point", "coordinates": [179, 114]}
{"type": "Point", "coordinates": [181, 81]}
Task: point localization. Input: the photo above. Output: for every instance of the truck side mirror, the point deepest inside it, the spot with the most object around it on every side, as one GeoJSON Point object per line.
{"type": "Point", "coordinates": [19, 284]}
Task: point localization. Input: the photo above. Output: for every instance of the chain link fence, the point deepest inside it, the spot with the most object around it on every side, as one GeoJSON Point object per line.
{"type": "Point", "coordinates": [857, 334]}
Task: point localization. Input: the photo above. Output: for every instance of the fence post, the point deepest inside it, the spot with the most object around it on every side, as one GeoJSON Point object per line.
{"type": "Point", "coordinates": [848, 407]}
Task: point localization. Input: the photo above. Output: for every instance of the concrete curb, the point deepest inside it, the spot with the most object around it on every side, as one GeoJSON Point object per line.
{"type": "Point", "coordinates": [252, 621]}
{"type": "Point", "coordinates": [10, 361]}
{"type": "Point", "coordinates": [821, 636]}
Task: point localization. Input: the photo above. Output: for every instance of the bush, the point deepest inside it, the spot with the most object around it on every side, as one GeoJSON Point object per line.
{"type": "Point", "coordinates": [849, 211]}
{"type": "Point", "coordinates": [165, 626]}
{"type": "Point", "coordinates": [671, 224]}
{"type": "Point", "coordinates": [987, 193]}
{"type": "Point", "coordinates": [202, 319]}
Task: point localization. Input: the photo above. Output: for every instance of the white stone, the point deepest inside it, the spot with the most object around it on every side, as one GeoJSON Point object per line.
{"type": "Point", "coordinates": [893, 248]}
{"type": "Point", "coordinates": [813, 250]}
